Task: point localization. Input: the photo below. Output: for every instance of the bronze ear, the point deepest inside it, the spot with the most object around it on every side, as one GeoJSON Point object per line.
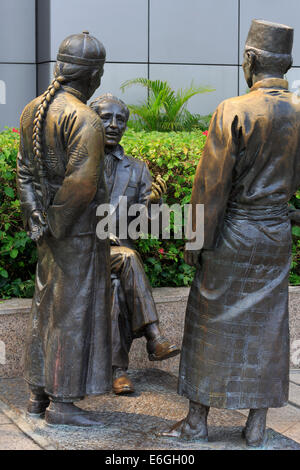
{"type": "Point", "coordinates": [252, 58]}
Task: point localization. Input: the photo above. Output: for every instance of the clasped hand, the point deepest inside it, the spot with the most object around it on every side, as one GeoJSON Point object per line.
{"type": "Point", "coordinates": [37, 226]}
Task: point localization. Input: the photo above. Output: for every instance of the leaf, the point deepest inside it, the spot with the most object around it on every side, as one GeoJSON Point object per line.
{"type": "Point", "coordinates": [164, 110]}
{"type": "Point", "coordinates": [3, 273]}
{"type": "Point", "coordinates": [9, 192]}
{"type": "Point", "coordinates": [296, 231]}
{"type": "Point", "coordinates": [14, 253]}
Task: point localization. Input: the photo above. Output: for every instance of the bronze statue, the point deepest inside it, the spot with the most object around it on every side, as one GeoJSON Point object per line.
{"type": "Point", "coordinates": [61, 184]}
{"type": "Point", "coordinates": [235, 351]}
{"type": "Point", "coordinates": [134, 312]}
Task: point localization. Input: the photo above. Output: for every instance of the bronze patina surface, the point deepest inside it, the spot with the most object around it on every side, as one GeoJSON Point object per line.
{"type": "Point", "coordinates": [235, 350]}
{"type": "Point", "coordinates": [61, 183]}
{"type": "Point", "coordinates": [133, 312]}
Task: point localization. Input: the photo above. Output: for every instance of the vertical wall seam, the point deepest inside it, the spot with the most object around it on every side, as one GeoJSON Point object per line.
{"type": "Point", "coordinates": [36, 50]}
{"type": "Point", "coordinates": [239, 42]}
{"type": "Point", "coordinates": [148, 58]}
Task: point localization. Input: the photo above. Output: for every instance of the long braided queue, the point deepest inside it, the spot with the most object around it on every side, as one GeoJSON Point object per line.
{"type": "Point", "coordinates": [37, 135]}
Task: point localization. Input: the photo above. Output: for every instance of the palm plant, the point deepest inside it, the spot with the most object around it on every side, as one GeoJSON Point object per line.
{"type": "Point", "coordinates": [165, 109]}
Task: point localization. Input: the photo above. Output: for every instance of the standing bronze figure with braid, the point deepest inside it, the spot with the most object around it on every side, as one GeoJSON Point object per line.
{"type": "Point", "coordinates": [61, 184]}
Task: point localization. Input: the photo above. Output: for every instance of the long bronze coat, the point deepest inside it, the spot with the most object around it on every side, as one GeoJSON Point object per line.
{"type": "Point", "coordinates": [236, 342]}
{"type": "Point", "coordinates": [68, 348]}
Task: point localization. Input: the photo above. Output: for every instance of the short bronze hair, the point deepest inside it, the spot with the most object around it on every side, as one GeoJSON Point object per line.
{"type": "Point", "coordinates": [96, 104]}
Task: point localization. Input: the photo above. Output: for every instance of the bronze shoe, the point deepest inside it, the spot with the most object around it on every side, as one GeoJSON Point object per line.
{"type": "Point", "coordinates": [160, 349]}
{"type": "Point", "coordinates": [67, 414]}
{"type": "Point", "coordinates": [122, 384]}
{"type": "Point", "coordinates": [37, 404]}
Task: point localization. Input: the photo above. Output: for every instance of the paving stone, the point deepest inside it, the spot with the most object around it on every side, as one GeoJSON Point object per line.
{"type": "Point", "coordinates": [11, 438]}
{"type": "Point", "coordinates": [280, 419]}
{"type": "Point", "coordinates": [294, 395]}
{"type": "Point", "coordinates": [293, 432]}
{"type": "Point", "coordinates": [295, 377]}
{"type": "Point", "coordinates": [4, 419]}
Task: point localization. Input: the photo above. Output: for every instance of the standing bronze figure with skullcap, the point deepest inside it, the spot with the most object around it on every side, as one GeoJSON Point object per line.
{"type": "Point", "coordinates": [235, 351]}
{"type": "Point", "coordinates": [61, 184]}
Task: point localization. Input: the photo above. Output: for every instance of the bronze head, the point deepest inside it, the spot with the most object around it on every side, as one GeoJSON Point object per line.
{"type": "Point", "coordinates": [114, 115]}
{"type": "Point", "coordinates": [268, 50]}
{"type": "Point", "coordinates": [80, 62]}
{"type": "Point", "coordinates": [81, 57]}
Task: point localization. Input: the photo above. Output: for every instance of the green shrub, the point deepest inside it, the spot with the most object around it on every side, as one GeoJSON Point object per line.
{"type": "Point", "coordinates": [175, 156]}
{"type": "Point", "coordinates": [172, 155]}
{"type": "Point", "coordinates": [18, 252]}
{"type": "Point", "coordinates": [295, 271]}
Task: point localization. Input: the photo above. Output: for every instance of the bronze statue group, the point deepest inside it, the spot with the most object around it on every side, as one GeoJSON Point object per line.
{"type": "Point", "coordinates": [92, 296]}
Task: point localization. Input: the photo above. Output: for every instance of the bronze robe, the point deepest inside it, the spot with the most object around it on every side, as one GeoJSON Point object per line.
{"type": "Point", "coordinates": [68, 350]}
{"type": "Point", "coordinates": [235, 350]}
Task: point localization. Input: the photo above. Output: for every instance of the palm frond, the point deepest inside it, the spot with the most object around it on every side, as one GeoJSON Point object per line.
{"type": "Point", "coordinates": [154, 86]}
{"type": "Point", "coordinates": [164, 109]}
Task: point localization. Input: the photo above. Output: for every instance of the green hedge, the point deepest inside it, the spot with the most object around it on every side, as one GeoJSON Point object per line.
{"type": "Point", "coordinates": [172, 155]}
{"type": "Point", "coordinates": [18, 252]}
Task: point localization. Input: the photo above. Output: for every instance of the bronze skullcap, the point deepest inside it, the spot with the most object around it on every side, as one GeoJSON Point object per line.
{"type": "Point", "coordinates": [82, 49]}
{"type": "Point", "coordinates": [270, 37]}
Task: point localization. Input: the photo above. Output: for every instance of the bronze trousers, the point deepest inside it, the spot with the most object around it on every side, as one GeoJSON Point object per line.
{"type": "Point", "coordinates": [133, 306]}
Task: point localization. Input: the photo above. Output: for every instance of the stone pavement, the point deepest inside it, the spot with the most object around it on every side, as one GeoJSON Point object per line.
{"type": "Point", "coordinates": [12, 438]}
{"type": "Point", "coordinates": [131, 422]}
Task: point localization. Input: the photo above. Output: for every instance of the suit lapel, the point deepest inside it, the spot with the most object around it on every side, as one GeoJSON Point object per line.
{"type": "Point", "coordinates": [122, 178]}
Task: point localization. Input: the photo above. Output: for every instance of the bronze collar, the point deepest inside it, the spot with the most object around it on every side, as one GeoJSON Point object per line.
{"type": "Point", "coordinates": [74, 92]}
{"type": "Point", "coordinates": [271, 83]}
{"type": "Point", "coordinates": [118, 152]}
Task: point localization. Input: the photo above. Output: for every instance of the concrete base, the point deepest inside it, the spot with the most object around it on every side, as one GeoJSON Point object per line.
{"type": "Point", "coordinates": [171, 305]}
{"type": "Point", "coordinates": [14, 316]}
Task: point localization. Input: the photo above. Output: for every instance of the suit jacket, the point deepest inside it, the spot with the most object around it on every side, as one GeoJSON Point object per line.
{"type": "Point", "coordinates": [133, 180]}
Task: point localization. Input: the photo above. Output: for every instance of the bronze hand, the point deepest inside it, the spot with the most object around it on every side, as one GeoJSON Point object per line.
{"type": "Point", "coordinates": [159, 188]}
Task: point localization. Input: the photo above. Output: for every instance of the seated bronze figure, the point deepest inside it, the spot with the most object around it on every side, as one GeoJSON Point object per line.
{"type": "Point", "coordinates": [235, 351]}
{"type": "Point", "coordinates": [134, 312]}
